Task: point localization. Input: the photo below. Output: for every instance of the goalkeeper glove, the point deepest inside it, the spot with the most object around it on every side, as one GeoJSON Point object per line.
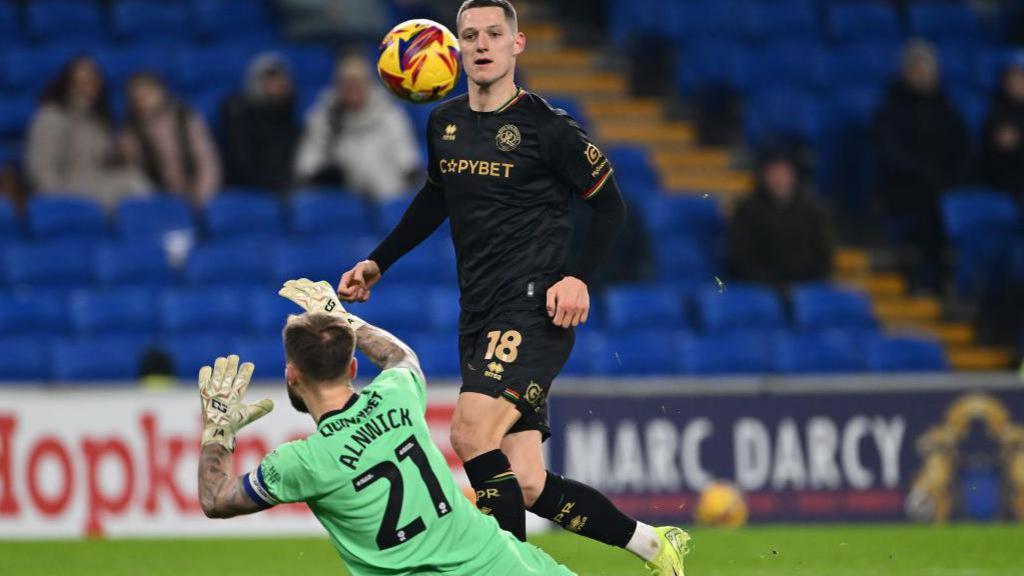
{"type": "Point", "coordinates": [220, 391]}
{"type": "Point", "coordinates": [318, 297]}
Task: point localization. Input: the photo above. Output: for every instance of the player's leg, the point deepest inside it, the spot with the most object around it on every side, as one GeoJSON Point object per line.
{"type": "Point", "coordinates": [478, 425]}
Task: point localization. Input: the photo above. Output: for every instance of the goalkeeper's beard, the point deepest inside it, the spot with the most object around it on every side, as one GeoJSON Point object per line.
{"type": "Point", "coordinates": [297, 401]}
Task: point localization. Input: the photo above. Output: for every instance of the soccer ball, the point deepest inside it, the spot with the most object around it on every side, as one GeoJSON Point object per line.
{"type": "Point", "coordinates": [419, 61]}
{"type": "Point", "coordinates": [721, 505]}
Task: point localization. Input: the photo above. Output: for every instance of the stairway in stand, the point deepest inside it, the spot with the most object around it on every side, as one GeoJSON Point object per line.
{"type": "Point", "coordinates": [685, 167]}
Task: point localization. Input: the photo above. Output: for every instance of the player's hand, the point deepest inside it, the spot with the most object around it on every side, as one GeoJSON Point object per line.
{"type": "Point", "coordinates": [317, 297]}
{"type": "Point", "coordinates": [220, 392]}
{"type": "Point", "coordinates": [356, 283]}
{"type": "Point", "coordinates": [568, 302]}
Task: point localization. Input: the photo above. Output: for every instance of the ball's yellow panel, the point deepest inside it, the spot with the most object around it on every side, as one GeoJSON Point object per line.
{"type": "Point", "coordinates": [419, 60]}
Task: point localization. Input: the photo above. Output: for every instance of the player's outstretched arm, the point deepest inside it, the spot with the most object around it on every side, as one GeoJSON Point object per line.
{"type": "Point", "coordinates": [221, 388]}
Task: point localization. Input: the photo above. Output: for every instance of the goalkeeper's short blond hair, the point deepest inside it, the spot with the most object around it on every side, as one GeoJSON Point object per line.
{"type": "Point", "coordinates": [320, 345]}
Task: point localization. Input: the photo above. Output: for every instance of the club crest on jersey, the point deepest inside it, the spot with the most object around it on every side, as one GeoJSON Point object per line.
{"type": "Point", "coordinates": [593, 154]}
{"type": "Point", "coordinates": [508, 138]}
{"type": "Point", "coordinates": [449, 133]}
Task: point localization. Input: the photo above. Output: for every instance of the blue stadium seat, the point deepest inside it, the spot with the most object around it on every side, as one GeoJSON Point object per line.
{"type": "Point", "coordinates": [588, 354]}
{"type": "Point", "coordinates": [394, 307]}
{"type": "Point", "coordinates": [390, 213]}
{"type": "Point", "coordinates": [248, 19]}
{"type": "Point", "coordinates": [725, 354]}
{"type": "Point", "coordinates": [24, 359]}
{"type": "Point", "coordinates": [119, 63]}
{"type": "Point", "coordinates": [708, 64]}
{"type": "Point", "coordinates": [9, 228]}
{"type": "Point", "coordinates": [107, 359]}
{"type": "Point", "coordinates": [818, 307]}
{"type": "Point", "coordinates": [230, 263]}
{"type": "Point", "coordinates": [312, 65]}
{"type": "Point", "coordinates": [691, 215]}
{"type": "Point", "coordinates": [424, 265]}
{"type": "Point", "coordinates": [640, 352]}
{"type": "Point", "coordinates": [32, 314]}
{"type": "Point", "coordinates": [49, 265]}
{"type": "Point", "coordinates": [233, 214]}
{"type": "Point", "coordinates": [740, 308]}
{"type": "Point", "coordinates": [865, 64]}
{"type": "Point", "coordinates": [29, 68]}
{"type": "Point", "coordinates": [118, 311]}
{"type": "Point", "coordinates": [442, 311]}
{"type": "Point", "coordinates": [316, 258]}
{"type": "Point", "coordinates": [827, 352]}
{"type": "Point", "coordinates": [329, 211]}
{"type": "Point", "coordinates": [783, 113]}
{"type": "Point", "coordinates": [643, 306]}
{"type": "Point", "coordinates": [438, 354]}
{"type": "Point", "coordinates": [15, 112]}
{"type": "Point", "coordinates": [133, 264]}
{"type": "Point", "coordinates": [571, 107]}
{"type": "Point", "coordinates": [191, 351]}
{"type": "Point", "coordinates": [10, 25]}
{"type": "Point", "coordinates": [153, 217]}
{"type": "Point", "coordinates": [806, 65]}
{"type": "Point", "coordinates": [856, 21]}
{"type": "Point", "coordinates": [633, 171]}
{"type": "Point", "coordinates": [197, 68]}
{"type": "Point", "coordinates": [55, 217]}
{"type": "Point", "coordinates": [266, 352]}
{"type": "Point", "coordinates": [970, 212]}
{"type": "Point", "coordinates": [149, 20]}
{"type": "Point", "coordinates": [991, 63]}
{"type": "Point", "coordinates": [944, 21]}
{"type": "Point", "coordinates": [215, 311]}
{"type": "Point", "coordinates": [781, 19]}
{"type": "Point", "coordinates": [58, 20]}
{"type": "Point", "coordinates": [905, 355]}
{"type": "Point", "coordinates": [267, 312]}
{"type": "Point", "coordinates": [702, 19]}
{"type": "Point", "coordinates": [685, 262]}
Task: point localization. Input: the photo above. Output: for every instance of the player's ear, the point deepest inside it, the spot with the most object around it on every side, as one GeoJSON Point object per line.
{"type": "Point", "coordinates": [291, 374]}
{"type": "Point", "coordinates": [519, 45]}
{"type": "Point", "coordinates": [353, 369]}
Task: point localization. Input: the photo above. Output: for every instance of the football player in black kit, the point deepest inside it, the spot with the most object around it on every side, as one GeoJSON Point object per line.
{"type": "Point", "coordinates": [503, 165]}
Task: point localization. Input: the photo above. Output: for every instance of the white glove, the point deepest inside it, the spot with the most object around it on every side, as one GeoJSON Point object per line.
{"type": "Point", "coordinates": [220, 392]}
{"type": "Point", "coordinates": [318, 297]}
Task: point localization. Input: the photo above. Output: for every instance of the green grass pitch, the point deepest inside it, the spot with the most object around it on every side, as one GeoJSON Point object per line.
{"type": "Point", "coordinates": [959, 550]}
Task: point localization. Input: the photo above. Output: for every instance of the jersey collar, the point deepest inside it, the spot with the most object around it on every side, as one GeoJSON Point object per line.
{"type": "Point", "coordinates": [516, 96]}
{"type": "Point", "coordinates": [351, 402]}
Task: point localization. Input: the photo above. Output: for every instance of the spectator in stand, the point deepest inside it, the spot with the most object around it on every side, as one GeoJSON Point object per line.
{"type": "Point", "coordinates": [358, 137]}
{"type": "Point", "coordinates": [779, 235]}
{"type": "Point", "coordinates": [922, 148]}
{"type": "Point", "coordinates": [260, 128]}
{"type": "Point", "coordinates": [1002, 146]}
{"type": "Point", "coordinates": [169, 142]}
{"type": "Point", "coordinates": [71, 146]}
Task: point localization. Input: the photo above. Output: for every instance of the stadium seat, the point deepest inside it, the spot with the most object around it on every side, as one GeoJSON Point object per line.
{"type": "Point", "coordinates": [395, 307]}
{"type": "Point", "coordinates": [940, 21]}
{"type": "Point", "coordinates": [817, 307]}
{"type": "Point", "coordinates": [190, 352]}
{"type": "Point", "coordinates": [119, 63]}
{"type": "Point", "coordinates": [329, 211]}
{"type": "Point", "coordinates": [969, 212]}
{"type": "Point", "coordinates": [702, 19]}
{"type": "Point", "coordinates": [643, 306]}
{"type": "Point", "coordinates": [690, 215]}
{"type": "Point", "coordinates": [633, 172]}
{"type": "Point", "coordinates": [248, 19]}
{"type": "Point", "coordinates": [48, 265]}
{"type": "Point", "coordinates": [149, 20]}
{"type": "Point", "coordinates": [783, 113]}
{"type": "Point", "coordinates": [58, 20]}
{"type": "Point", "coordinates": [725, 354]}
{"type": "Point", "coordinates": [442, 311]}
{"type": "Point", "coordinates": [214, 311]}
{"type": "Point", "coordinates": [266, 352]}
{"type": "Point", "coordinates": [152, 218]}
{"type": "Point", "coordinates": [588, 354]}
{"type": "Point", "coordinates": [865, 64]}
{"type": "Point", "coordinates": [55, 217]}
{"type": "Point", "coordinates": [316, 257]}
{"type": "Point", "coordinates": [424, 265]}
{"type": "Point", "coordinates": [855, 21]}
{"type": "Point", "coordinates": [781, 19]}
{"type": "Point", "coordinates": [905, 355]}
{"type": "Point", "coordinates": [9, 228]}
{"type": "Point", "coordinates": [390, 212]}
{"type": "Point", "coordinates": [805, 65]}
{"type": "Point", "coordinates": [15, 112]}
{"type": "Point", "coordinates": [235, 263]}
{"type": "Point", "coordinates": [641, 352]}
{"type": "Point", "coordinates": [133, 264]}
{"type": "Point", "coordinates": [29, 68]}
{"type": "Point", "coordinates": [10, 25]}
{"type": "Point", "coordinates": [234, 214]}
{"type": "Point", "coordinates": [32, 314]}
{"type": "Point", "coordinates": [267, 312]}
{"type": "Point", "coordinates": [98, 359]}
{"type": "Point", "coordinates": [312, 65]}
{"type": "Point", "coordinates": [438, 354]}
{"type": "Point", "coordinates": [118, 311]}
{"type": "Point", "coordinates": [195, 68]}
{"type": "Point", "coordinates": [740, 308]}
{"type": "Point", "coordinates": [828, 352]}
{"type": "Point", "coordinates": [24, 359]}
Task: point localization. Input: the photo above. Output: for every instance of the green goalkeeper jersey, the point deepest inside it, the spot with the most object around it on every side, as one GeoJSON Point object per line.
{"type": "Point", "coordinates": [374, 479]}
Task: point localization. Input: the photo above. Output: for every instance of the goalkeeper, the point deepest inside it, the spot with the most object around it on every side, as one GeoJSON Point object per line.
{"type": "Point", "coordinates": [370, 474]}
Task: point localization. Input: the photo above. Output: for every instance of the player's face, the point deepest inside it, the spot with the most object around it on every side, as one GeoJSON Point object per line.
{"type": "Point", "coordinates": [489, 46]}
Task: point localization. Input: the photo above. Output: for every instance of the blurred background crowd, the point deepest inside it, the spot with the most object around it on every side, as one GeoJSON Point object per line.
{"type": "Point", "coordinates": [814, 186]}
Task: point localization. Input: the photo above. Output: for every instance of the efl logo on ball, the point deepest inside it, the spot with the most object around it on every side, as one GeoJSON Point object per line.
{"type": "Point", "coordinates": [419, 61]}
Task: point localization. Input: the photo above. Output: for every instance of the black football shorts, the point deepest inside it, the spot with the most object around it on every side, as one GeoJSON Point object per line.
{"type": "Point", "coordinates": [515, 355]}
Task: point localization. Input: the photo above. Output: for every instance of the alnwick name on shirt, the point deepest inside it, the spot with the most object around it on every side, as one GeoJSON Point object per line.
{"type": "Point", "coordinates": [366, 427]}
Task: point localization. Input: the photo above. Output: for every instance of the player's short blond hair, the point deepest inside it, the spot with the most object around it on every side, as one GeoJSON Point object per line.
{"type": "Point", "coordinates": [505, 5]}
{"type": "Point", "coordinates": [319, 345]}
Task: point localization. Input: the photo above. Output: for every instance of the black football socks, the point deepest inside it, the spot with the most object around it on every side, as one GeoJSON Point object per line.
{"type": "Point", "coordinates": [581, 509]}
{"type": "Point", "coordinates": [497, 491]}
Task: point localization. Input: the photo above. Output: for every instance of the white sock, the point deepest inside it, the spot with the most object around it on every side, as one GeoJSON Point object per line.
{"type": "Point", "coordinates": [645, 542]}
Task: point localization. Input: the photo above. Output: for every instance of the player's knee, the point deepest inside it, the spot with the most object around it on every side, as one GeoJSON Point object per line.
{"type": "Point", "coordinates": [531, 484]}
{"type": "Point", "coordinates": [468, 442]}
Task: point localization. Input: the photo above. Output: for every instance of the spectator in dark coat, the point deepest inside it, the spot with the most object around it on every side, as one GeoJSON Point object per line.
{"type": "Point", "coordinates": [261, 128]}
{"type": "Point", "coordinates": [779, 235]}
{"type": "Point", "coordinates": [1002, 145]}
{"type": "Point", "coordinates": [922, 148]}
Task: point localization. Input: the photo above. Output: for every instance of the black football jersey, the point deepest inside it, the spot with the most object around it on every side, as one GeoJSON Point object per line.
{"type": "Point", "coordinates": [508, 178]}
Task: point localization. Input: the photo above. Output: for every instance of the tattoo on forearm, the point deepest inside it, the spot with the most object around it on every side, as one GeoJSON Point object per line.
{"type": "Point", "coordinates": [219, 493]}
{"type": "Point", "coordinates": [381, 347]}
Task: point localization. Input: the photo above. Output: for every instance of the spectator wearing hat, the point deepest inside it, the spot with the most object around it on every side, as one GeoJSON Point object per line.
{"type": "Point", "coordinates": [1001, 164]}
{"type": "Point", "coordinates": [260, 129]}
{"type": "Point", "coordinates": [779, 235]}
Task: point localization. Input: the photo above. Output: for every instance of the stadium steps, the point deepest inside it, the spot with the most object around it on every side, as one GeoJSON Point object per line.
{"type": "Point", "coordinates": [695, 158]}
{"type": "Point", "coordinates": [578, 85]}
{"type": "Point", "coordinates": [966, 358]}
{"type": "Point", "coordinates": [641, 132]}
{"type": "Point", "coordinates": [623, 109]}
{"type": "Point", "coordinates": [548, 60]}
{"type": "Point", "coordinates": [728, 184]}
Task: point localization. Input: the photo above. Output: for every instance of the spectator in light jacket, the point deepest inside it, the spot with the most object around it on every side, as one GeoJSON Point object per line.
{"type": "Point", "coordinates": [357, 137]}
{"type": "Point", "coordinates": [169, 142]}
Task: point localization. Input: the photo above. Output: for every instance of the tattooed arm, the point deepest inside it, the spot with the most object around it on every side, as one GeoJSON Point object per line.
{"type": "Point", "coordinates": [386, 351]}
{"type": "Point", "coordinates": [222, 495]}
